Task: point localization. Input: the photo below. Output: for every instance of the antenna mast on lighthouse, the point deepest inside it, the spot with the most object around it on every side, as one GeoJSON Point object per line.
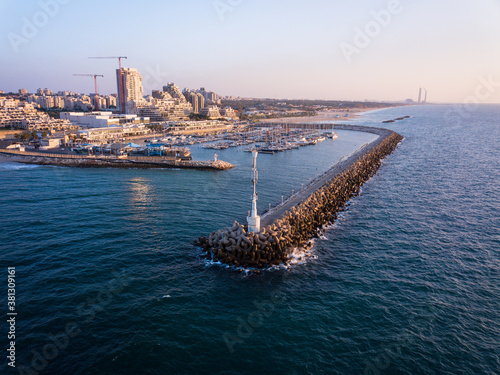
{"type": "Point", "coordinates": [254, 220]}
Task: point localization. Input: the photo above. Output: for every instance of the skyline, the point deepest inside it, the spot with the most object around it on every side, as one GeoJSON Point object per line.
{"type": "Point", "coordinates": [378, 50]}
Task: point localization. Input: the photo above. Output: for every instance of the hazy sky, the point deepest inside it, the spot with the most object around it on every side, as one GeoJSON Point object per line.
{"type": "Point", "coordinates": [322, 49]}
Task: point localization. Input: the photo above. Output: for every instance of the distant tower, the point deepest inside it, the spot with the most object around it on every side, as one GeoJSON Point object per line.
{"type": "Point", "coordinates": [420, 96]}
{"type": "Point", "coordinates": [425, 98]}
{"type": "Point", "coordinates": [254, 220]}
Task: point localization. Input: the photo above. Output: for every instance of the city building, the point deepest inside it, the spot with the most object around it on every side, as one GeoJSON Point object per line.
{"type": "Point", "coordinates": [228, 112]}
{"type": "Point", "coordinates": [133, 90]}
{"type": "Point", "coordinates": [101, 119]}
{"type": "Point", "coordinates": [157, 94]}
{"type": "Point", "coordinates": [47, 123]}
{"type": "Point", "coordinates": [48, 143]}
{"type": "Point", "coordinates": [174, 91]}
{"type": "Point", "coordinates": [80, 104]}
{"type": "Point", "coordinates": [24, 115]}
{"type": "Point", "coordinates": [167, 105]}
{"type": "Point", "coordinates": [211, 111]}
{"type": "Point", "coordinates": [111, 101]}
{"type": "Point", "coordinates": [114, 132]}
{"type": "Point", "coordinates": [209, 96]}
{"type": "Point", "coordinates": [197, 126]}
{"type": "Point", "coordinates": [45, 91]}
{"type": "Point", "coordinates": [159, 110]}
{"type": "Point", "coordinates": [196, 99]}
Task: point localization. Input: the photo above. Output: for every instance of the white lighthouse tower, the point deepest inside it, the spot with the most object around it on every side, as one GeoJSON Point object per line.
{"type": "Point", "coordinates": [254, 220]}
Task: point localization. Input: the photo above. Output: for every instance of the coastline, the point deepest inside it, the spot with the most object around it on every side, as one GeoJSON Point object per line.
{"type": "Point", "coordinates": [330, 115]}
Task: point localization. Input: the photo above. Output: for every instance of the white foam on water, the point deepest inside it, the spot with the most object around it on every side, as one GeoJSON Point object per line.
{"type": "Point", "coordinates": [298, 256]}
{"type": "Point", "coordinates": [17, 166]}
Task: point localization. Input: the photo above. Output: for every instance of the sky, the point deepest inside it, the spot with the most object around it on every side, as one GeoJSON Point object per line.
{"type": "Point", "coordinates": [315, 49]}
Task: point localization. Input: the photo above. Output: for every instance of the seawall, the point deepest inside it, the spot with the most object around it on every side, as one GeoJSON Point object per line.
{"type": "Point", "coordinates": [302, 216]}
{"type": "Point", "coordinates": [109, 162]}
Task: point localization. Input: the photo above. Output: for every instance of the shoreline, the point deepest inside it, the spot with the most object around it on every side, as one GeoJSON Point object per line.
{"type": "Point", "coordinates": [330, 115]}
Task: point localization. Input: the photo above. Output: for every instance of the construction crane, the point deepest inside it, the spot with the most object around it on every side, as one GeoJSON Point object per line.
{"type": "Point", "coordinates": [122, 96]}
{"type": "Point", "coordinates": [95, 83]}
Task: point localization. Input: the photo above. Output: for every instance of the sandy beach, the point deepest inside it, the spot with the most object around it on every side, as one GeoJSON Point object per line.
{"type": "Point", "coordinates": [326, 116]}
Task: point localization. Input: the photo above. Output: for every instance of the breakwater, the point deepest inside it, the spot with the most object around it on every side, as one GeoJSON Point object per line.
{"type": "Point", "coordinates": [112, 162]}
{"type": "Point", "coordinates": [303, 216]}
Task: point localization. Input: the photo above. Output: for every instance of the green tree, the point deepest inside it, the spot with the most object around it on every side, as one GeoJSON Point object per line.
{"type": "Point", "coordinates": [44, 135]}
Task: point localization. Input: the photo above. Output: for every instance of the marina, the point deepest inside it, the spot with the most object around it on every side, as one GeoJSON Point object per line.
{"type": "Point", "coordinates": [169, 150]}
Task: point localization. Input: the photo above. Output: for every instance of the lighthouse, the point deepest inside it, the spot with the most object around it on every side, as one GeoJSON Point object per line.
{"type": "Point", "coordinates": [254, 220]}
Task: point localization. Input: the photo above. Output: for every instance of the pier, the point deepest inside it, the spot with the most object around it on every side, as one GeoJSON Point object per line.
{"type": "Point", "coordinates": [303, 216]}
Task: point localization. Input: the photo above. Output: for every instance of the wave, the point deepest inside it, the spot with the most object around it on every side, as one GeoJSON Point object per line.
{"type": "Point", "coordinates": [298, 256]}
{"type": "Point", "coordinates": [17, 166]}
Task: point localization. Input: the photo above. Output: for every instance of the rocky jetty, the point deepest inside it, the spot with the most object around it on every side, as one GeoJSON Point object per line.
{"type": "Point", "coordinates": [96, 162]}
{"type": "Point", "coordinates": [274, 244]}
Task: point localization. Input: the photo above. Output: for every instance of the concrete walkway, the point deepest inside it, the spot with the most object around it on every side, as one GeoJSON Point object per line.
{"type": "Point", "coordinates": [277, 212]}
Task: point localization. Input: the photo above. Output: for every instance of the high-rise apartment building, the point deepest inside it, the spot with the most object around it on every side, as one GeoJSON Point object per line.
{"type": "Point", "coordinates": [131, 86]}
{"type": "Point", "coordinates": [200, 102]}
{"type": "Point", "coordinates": [196, 99]}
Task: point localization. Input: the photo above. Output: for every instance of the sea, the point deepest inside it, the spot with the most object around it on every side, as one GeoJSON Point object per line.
{"type": "Point", "coordinates": [406, 281]}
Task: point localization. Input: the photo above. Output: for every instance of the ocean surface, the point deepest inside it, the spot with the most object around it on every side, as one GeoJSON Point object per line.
{"type": "Point", "coordinates": [407, 281]}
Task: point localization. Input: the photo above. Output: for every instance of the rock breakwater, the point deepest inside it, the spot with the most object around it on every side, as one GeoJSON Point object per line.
{"type": "Point", "coordinates": [295, 228]}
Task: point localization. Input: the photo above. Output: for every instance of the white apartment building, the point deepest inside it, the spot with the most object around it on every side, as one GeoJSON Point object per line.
{"type": "Point", "coordinates": [113, 132]}
{"type": "Point", "coordinates": [131, 85]}
{"type": "Point", "coordinates": [101, 119]}
{"type": "Point", "coordinates": [211, 111]}
{"type": "Point", "coordinates": [165, 109]}
{"type": "Point", "coordinates": [14, 113]}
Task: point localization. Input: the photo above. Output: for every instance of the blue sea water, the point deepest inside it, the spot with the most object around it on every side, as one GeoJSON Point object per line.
{"type": "Point", "coordinates": [407, 281]}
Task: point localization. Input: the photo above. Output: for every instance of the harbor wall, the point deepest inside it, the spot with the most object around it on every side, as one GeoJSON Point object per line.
{"type": "Point", "coordinates": [110, 162]}
{"type": "Point", "coordinates": [304, 217]}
